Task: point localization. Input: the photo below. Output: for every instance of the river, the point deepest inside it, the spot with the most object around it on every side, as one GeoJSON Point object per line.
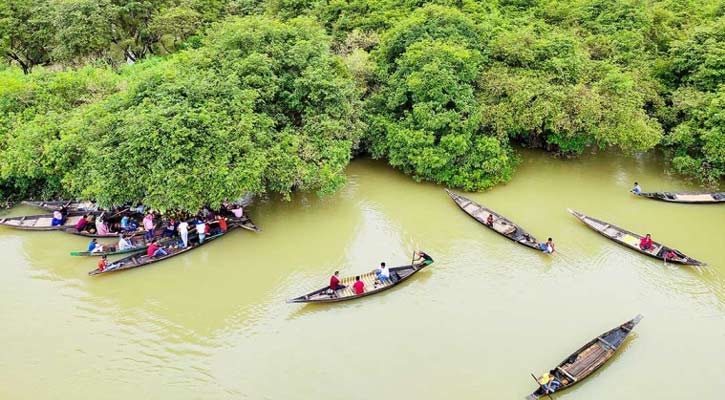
{"type": "Point", "coordinates": [214, 324]}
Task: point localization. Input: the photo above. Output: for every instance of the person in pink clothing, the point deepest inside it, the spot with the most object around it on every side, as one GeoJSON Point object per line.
{"type": "Point", "coordinates": [149, 226]}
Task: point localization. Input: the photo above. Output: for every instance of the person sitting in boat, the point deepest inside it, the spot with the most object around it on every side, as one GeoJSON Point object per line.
{"type": "Point", "coordinates": [359, 286]}
{"type": "Point", "coordinates": [422, 258]}
{"type": "Point", "coordinates": [155, 250]}
{"type": "Point", "coordinates": [670, 254]}
{"type": "Point", "coordinates": [636, 189]}
{"type": "Point", "coordinates": [81, 224]}
{"type": "Point", "coordinates": [335, 284]}
{"type": "Point", "coordinates": [489, 220]}
{"type": "Point", "coordinates": [238, 211]}
{"type": "Point", "coordinates": [103, 263]}
{"type": "Point", "coordinates": [646, 242]}
{"type": "Point", "coordinates": [123, 243]}
{"type": "Point", "coordinates": [548, 246]}
{"type": "Point", "coordinates": [124, 223]}
{"type": "Point", "coordinates": [549, 383]}
{"type": "Point", "coordinates": [58, 219]}
{"type": "Point", "coordinates": [383, 273]}
{"type": "Point", "coordinates": [94, 246]}
{"type": "Point", "coordinates": [101, 227]}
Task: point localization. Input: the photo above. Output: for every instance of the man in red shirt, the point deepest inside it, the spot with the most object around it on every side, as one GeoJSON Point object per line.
{"type": "Point", "coordinates": [155, 250]}
{"type": "Point", "coordinates": [335, 282]}
{"type": "Point", "coordinates": [358, 287]}
{"type": "Point", "coordinates": [646, 242]}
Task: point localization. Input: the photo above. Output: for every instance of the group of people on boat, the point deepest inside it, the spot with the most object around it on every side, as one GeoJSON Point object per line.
{"type": "Point", "coordinates": [382, 275]}
{"type": "Point", "coordinates": [179, 225]}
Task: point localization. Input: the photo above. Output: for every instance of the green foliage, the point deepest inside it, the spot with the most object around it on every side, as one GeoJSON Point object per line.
{"type": "Point", "coordinates": [424, 118]}
{"type": "Point", "coordinates": [261, 106]}
{"type": "Point", "coordinates": [26, 30]}
{"type": "Point", "coordinates": [216, 105]}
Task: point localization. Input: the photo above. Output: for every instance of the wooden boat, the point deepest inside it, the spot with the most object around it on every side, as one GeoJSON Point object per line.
{"type": "Point", "coordinates": [501, 224]}
{"type": "Point", "coordinates": [138, 244]}
{"type": "Point", "coordinates": [631, 240]}
{"type": "Point", "coordinates": [137, 260]}
{"type": "Point", "coordinates": [589, 358]}
{"type": "Point", "coordinates": [44, 222]}
{"type": "Point", "coordinates": [687, 197]}
{"type": "Point", "coordinates": [71, 206]}
{"type": "Point", "coordinates": [325, 295]}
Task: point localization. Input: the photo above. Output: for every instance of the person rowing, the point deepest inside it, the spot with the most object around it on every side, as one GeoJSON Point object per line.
{"type": "Point", "coordinates": [549, 382]}
{"type": "Point", "coordinates": [422, 258]}
{"type": "Point", "coordinates": [548, 246]}
{"type": "Point", "coordinates": [637, 190]}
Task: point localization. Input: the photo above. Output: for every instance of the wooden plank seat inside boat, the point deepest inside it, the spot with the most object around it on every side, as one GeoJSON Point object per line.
{"type": "Point", "coordinates": [369, 281]}
{"type": "Point", "coordinates": [587, 361]}
{"type": "Point", "coordinates": [503, 226]}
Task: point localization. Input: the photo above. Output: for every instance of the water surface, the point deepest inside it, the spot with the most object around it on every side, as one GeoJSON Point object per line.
{"type": "Point", "coordinates": [214, 324]}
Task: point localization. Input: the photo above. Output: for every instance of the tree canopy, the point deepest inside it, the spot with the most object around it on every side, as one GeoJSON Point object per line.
{"type": "Point", "coordinates": [179, 103]}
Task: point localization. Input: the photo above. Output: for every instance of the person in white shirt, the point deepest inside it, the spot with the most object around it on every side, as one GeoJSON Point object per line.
{"type": "Point", "coordinates": [636, 189]}
{"type": "Point", "coordinates": [201, 230]}
{"type": "Point", "coordinates": [183, 229]}
{"type": "Point", "coordinates": [123, 243]}
{"type": "Point", "coordinates": [383, 273]}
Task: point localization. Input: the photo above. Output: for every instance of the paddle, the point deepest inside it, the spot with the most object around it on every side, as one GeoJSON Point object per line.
{"type": "Point", "coordinates": [542, 386]}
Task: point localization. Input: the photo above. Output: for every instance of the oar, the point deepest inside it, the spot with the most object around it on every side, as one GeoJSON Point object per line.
{"type": "Point", "coordinates": [542, 386]}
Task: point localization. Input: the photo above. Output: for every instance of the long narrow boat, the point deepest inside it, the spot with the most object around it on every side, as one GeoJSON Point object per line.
{"type": "Point", "coordinates": [501, 224]}
{"type": "Point", "coordinates": [326, 295]}
{"type": "Point", "coordinates": [138, 244]}
{"type": "Point", "coordinates": [631, 240]}
{"type": "Point", "coordinates": [136, 260]}
{"type": "Point", "coordinates": [589, 358]}
{"type": "Point", "coordinates": [71, 206]}
{"type": "Point", "coordinates": [687, 197]}
{"type": "Point", "coordinates": [44, 222]}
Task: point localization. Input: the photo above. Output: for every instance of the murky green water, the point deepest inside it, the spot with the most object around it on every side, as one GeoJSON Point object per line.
{"type": "Point", "coordinates": [214, 324]}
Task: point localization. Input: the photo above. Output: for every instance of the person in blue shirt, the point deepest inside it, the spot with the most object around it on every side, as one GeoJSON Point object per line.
{"type": "Point", "coordinates": [124, 223]}
{"type": "Point", "coordinates": [636, 189]}
{"type": "Point", "coordinates": [94, 247]}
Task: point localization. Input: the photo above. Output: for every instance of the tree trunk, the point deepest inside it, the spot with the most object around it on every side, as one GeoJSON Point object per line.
{"type": "Point", "coordinates": [25, 66]}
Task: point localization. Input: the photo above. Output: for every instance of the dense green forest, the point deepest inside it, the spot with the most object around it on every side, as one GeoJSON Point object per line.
{"type": "Point", "coordinates": [179, 103]}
